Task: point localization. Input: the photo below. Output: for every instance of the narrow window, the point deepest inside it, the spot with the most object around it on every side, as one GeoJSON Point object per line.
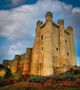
{"type": "Point", "coordinates": [66, 41]}
{"type": "Point", "coordinates": [68, 53]}
{"type": "Point", "coordinates": [42, 37]}
{"type": "Point", "coordinates": [57, 49]}
{"type": "Point", "coordinates": [42, 48]}
{"type": "Point", "coordinates": [40, 63]}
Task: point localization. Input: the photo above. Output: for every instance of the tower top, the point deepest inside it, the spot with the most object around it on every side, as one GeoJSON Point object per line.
{"type": "Point", "coordinates": [39, 23]}
{"type": "Point", "coordinates": [49, 16]}
{"type": "Point", "coordinates": [61, 22]}
{"type": "Point", "coordinates": [69, 28]}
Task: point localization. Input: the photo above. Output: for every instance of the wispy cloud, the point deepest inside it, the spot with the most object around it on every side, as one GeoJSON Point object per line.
{"type": "Point", "coordinates": [19, 21]}
{"type": "Point", "coordinates": [16, 48]}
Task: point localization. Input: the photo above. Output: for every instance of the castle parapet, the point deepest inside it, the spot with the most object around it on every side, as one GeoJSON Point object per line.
{"type": "Point", "coordinates": [17, 57]}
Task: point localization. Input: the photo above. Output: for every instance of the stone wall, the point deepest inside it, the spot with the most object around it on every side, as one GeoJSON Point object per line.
{"type": "Point", "coordinates": [52, 53]}
{"type": "Point", "coordinates": [21, 63]}
{"type": "Point", "coordinates": [72, 55]}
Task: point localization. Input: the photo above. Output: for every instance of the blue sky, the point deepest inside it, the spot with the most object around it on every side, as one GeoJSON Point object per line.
{"type": "Point", "coordinates": [18, 20]}
{"type": "Point", "coordinates": [8, 4]}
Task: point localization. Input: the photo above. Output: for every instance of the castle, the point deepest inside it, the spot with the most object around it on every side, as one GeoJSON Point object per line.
{"type": "Point", "coordinates": [52, 53]}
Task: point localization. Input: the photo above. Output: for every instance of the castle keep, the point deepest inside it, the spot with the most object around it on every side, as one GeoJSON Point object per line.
{"type": "Point", "coordinates": [52, 53]}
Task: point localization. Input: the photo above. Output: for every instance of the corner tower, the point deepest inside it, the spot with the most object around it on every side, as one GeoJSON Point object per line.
{"type": "Point", "coordinates": [47, 45]}
{"type": "Point", "coordinates": [62, 45]}
{"type": "Point", "coordinates": [49, 49]}
{"type": "Point", "coordinates": [36, 50]}
{"type": "Point", "coordinates": [70, 49]}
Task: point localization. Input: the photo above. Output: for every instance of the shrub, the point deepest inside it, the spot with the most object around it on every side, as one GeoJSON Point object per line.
{"type": "Point", "coordinates": [34, 78]}
{"type": "Point", "coordinates": [31, 88]}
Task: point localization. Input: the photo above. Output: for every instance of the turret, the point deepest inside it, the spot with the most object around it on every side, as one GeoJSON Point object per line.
{"type": "Point", "coordinates": [69, 29]}
{"type": "Point", "coordinates": [47, 46]}
{"type": "Point", "coordinates": [35, 50]}
{"type": "Point", "coordinates": [72, 61]}
{"type": "Point", "coordinates": [39, 24]}
{"type": "Point", "coordinates": [61, 23]}
{"type": "Point", "coordinates": [49, 16]}
{"type": "Point", "coordinates": [62, 45]}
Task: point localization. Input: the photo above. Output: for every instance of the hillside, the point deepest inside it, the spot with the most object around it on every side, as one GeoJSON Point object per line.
{"type": "Point", "coordinates": [67, 81]}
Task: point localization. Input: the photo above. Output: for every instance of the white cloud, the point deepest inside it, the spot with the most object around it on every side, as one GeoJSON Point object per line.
{"type": "Point", "coordinates": [76, 10]}
{"type": "Point", "coordinates": [18, 48]}
{"type": "Point", "coordinates": [19, 23]}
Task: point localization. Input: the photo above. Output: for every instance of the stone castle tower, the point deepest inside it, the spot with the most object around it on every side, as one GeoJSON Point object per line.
{"type": "Point", "coordinates": [52, 53]}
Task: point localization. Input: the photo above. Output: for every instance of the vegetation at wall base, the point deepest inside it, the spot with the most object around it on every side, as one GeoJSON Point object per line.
{"type": "Point", "coordinates": [38, 79]}
{"type": "Point", "coordinates": [69, 80]}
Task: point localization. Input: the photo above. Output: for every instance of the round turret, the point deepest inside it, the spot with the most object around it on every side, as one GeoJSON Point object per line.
{"type": "Point", "coordinates": [61, 22]}
{"type": "Point", "coordinates": [70, 28]}
{"type": "Point", "coordinates": [39, 23]}
{"type": "Point", "coordinates": [49, 16]}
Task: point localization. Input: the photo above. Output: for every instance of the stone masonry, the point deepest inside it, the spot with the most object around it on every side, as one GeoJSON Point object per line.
{"type": "Point", "coordinates": [53, 51]}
